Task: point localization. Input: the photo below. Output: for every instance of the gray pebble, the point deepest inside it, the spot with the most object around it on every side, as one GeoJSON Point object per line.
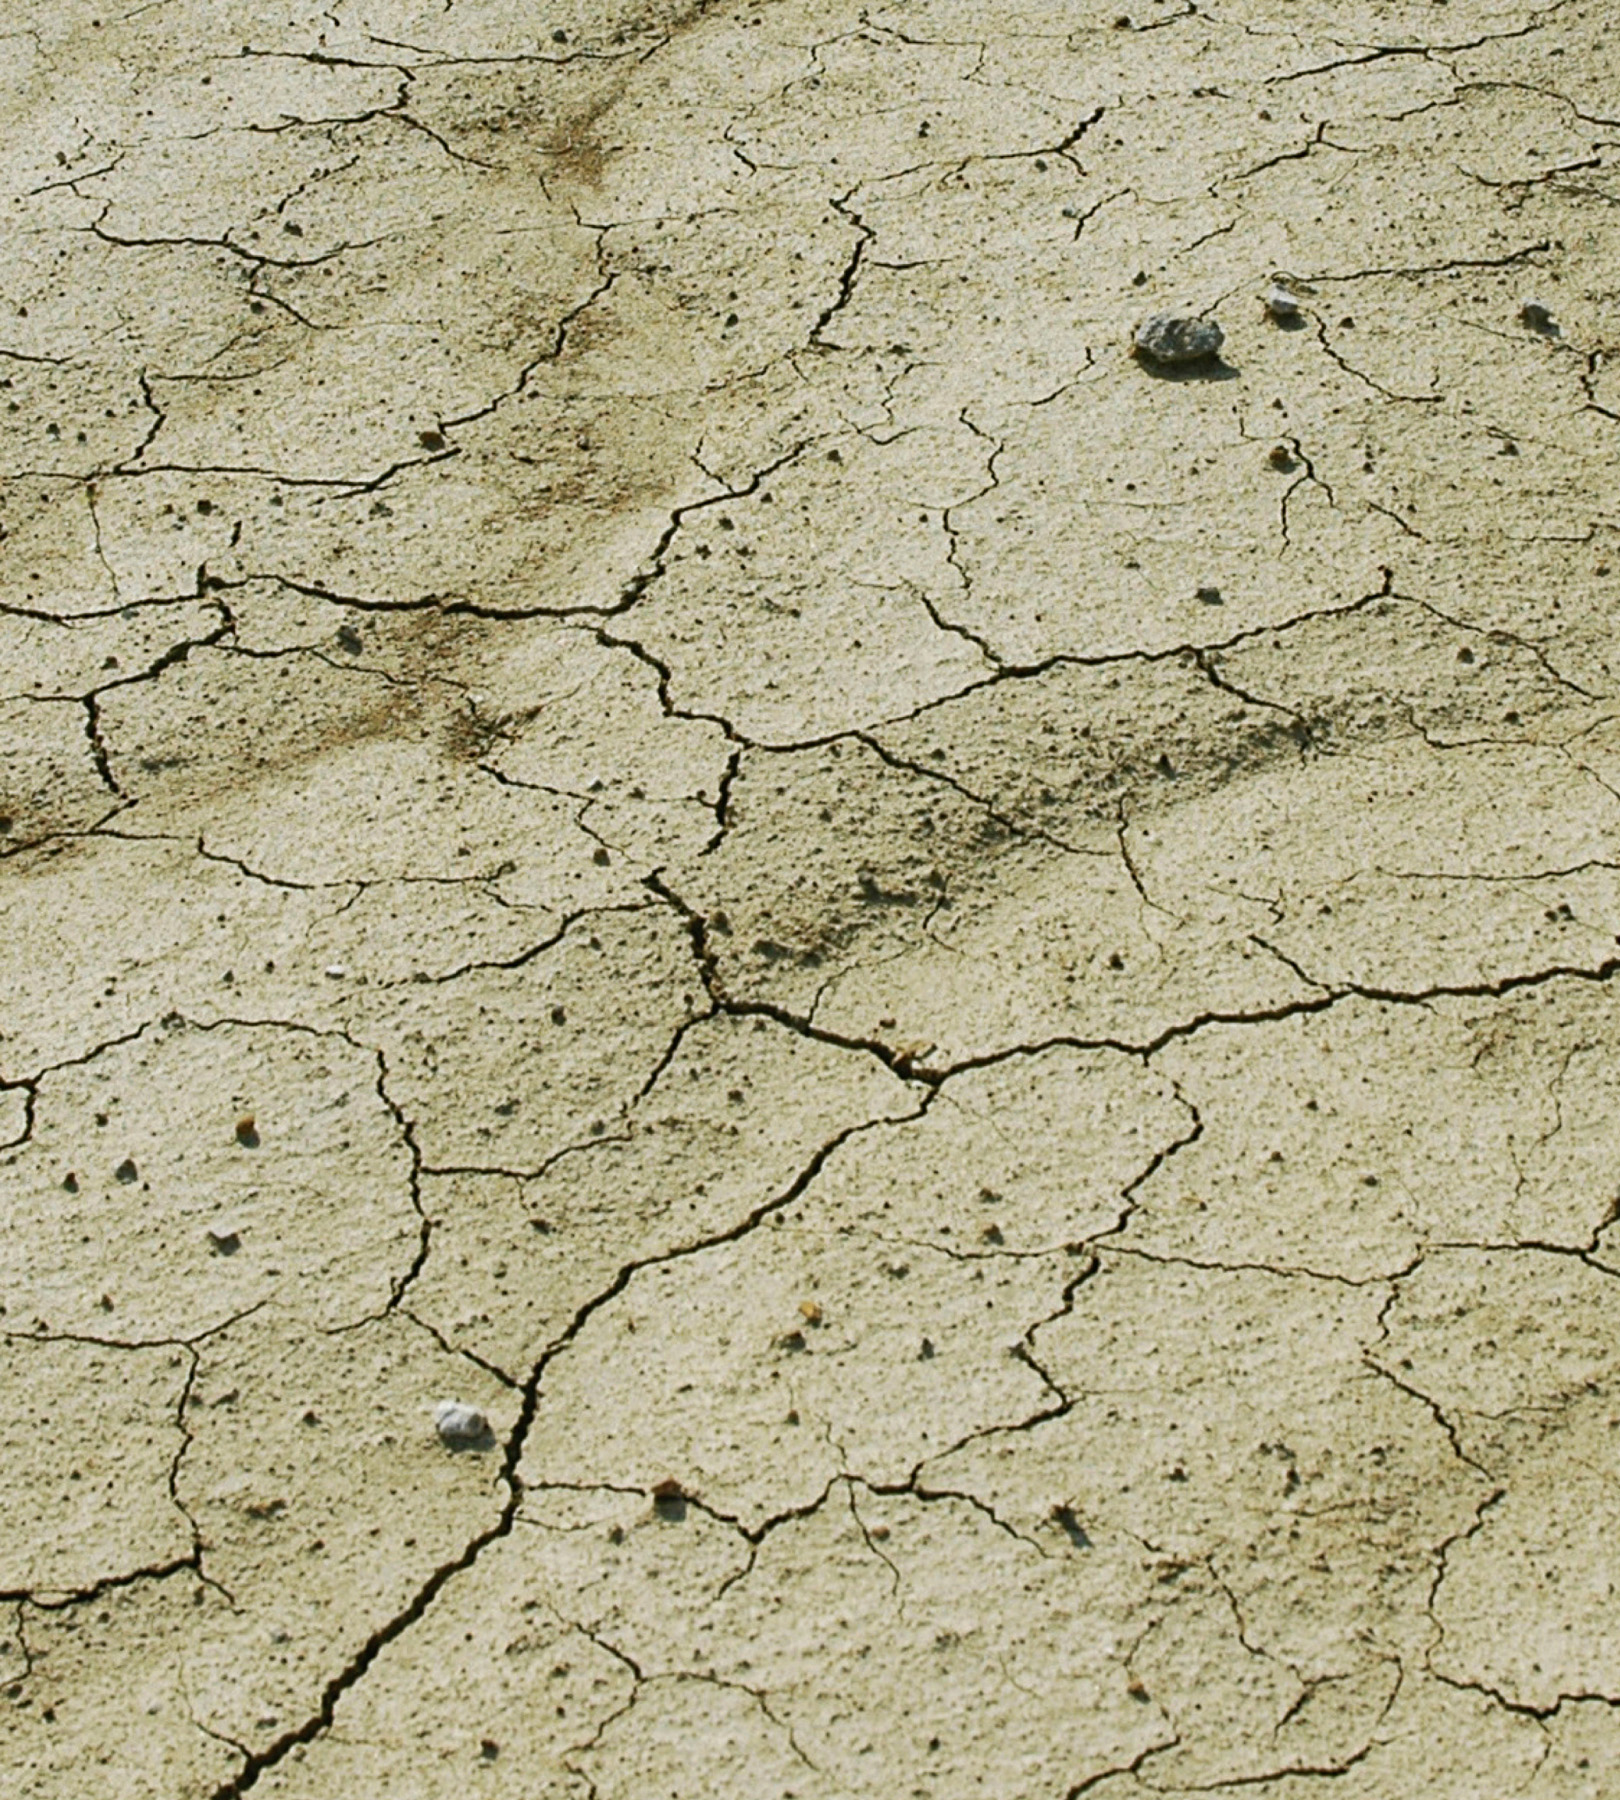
{"type": "Point", "coordinates": [459, 1424]}
{"type": "Point", "coordinates": [1281, 302]}
{"type": "Point", "coordinates": [1174, 338]}
{"type": "Point", "coordinates": [1536, 316]}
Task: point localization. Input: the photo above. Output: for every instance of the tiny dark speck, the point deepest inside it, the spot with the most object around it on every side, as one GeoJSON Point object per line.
{"type": "Point", "coordinates": [1064, 1518]}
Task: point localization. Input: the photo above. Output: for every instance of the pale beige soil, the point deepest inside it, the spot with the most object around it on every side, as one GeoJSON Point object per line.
{"type": "Point", "coordinates": [619, 804]}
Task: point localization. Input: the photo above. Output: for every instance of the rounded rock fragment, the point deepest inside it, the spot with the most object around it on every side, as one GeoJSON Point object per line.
{"type": "Point", "coordinates": [461, 1426]}
{"type": "Point", "coordinates": [1280, 302]}
{"type": "Point", "coordinates": [1175, 339]}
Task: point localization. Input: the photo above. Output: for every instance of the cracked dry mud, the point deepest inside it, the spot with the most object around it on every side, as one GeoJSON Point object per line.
{"type": "Point", "coordinates": [968, 986]}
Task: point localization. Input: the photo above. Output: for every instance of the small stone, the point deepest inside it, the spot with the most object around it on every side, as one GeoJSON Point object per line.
{"type": "Point", "coordinates": [669, 1499]}
{"type": "Point", "coordinates": [126, 1172]}
{"type": "Point", "coordinates": [224, 1240]}
{"type": "Point", "coordinates": [1280, 302]}
{"type": "Point", "coordinates": [1536, 316]}
{"type": "Point", "coordinates": [459, 1425]}
{"type": "Point", "coordinates": [1209, 596]}
{"type": "Point", "coordinates": [247, 1132]}
{"type": "Point", "coordinates": [1175, 339]}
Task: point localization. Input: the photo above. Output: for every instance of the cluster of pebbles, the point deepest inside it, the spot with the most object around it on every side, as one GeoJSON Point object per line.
{"type": "Point", "coordinates": [1173, 340]}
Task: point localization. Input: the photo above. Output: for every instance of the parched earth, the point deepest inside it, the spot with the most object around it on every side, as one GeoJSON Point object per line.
{"type": "Point", "coordinates": [968, 984]}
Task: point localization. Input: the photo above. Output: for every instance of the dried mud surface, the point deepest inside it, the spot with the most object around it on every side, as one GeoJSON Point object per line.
{"type": "Point", "coordinates": [968, 986]}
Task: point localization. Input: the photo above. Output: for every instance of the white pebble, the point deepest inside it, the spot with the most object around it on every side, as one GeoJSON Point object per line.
{"type": "Point", "coordinates": [459, 1423]}
{"type": "Point", "coordinates": [1280, 302]}
{"type": "Point", "coordinates": [336, 972]}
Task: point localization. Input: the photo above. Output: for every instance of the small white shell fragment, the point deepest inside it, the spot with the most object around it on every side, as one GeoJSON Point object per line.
{"type": "Point", "coordinates": [1281, 302]}
{"type": "Point", "coordinates": [1173, 338]}
{"type": "Point", "coordinates": [457, 1423]}
{"type": "Point", "coordinates": [336, 972]}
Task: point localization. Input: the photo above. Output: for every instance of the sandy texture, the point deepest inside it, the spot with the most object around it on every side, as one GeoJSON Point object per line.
{"type": "Point", "coordinates": [966, 982]}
